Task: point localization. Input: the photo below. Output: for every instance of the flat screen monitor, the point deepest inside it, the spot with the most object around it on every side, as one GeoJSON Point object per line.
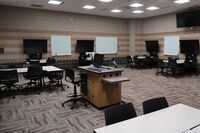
{"type": "Point", "coordinates": [35, 46]}
{"type": "Point", "coordinates": [188, 19]}
{"type": "Point", "coordinates": [196, 18]}
{"type": "Point", "coordinates": [85, 46]}
{"type": "Point", "coordinates": [98, 60]}
{"type": "Point", "coordinates": [1, 50]}
{"type": "Point", "coordinates": [152, 46]}
{"type": "Point", "coordinates": [189, 46]}
{"type": "Point", "coordinates": [183, 20]}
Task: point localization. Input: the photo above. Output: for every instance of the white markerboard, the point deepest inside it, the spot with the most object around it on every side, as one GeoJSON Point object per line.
{"type": "Point", "coordinates": [60, 45]}
{"type": "Point", "coordinates": [106, 45]}
{"type": "Point", "coordinates": [171, 45]}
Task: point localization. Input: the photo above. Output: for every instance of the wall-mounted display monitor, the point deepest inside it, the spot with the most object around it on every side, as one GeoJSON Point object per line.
{"type": "Point", "coordinates": [98, 60]}
{"type": "Point", "coordinates": [188, 19]}
{"type": "Point", "coordinates": [189, 46]}
{"type": "Point", "coordinates": [35, 46]}
{"type": "Point", "coordinates": [152, 46]}
{"type": "Point", "coordinates": [85, 46]}
{"type": "Point", "coordinates": [1, 50]}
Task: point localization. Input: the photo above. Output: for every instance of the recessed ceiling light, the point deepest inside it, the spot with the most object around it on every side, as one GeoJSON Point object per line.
{"type": "Point", "coordinates": [136, 5]}
{"type": "Point", "coordinates": [105, 0]}
{"type": "Point", "coordinates": [137, 11]}
{"type": "Point", "coordinates": [152, 8]}
{"type": "Point", "coordinates": [116, 10]}
{"type": "Point", "coordinates": [89, 7]}
{"type": "Point", "coordinates": [55, 2]}
{"type": "Point", "coordinates": [181, 1]}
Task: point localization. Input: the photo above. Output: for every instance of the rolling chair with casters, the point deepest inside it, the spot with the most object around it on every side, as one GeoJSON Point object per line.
{"type": "Point", "coordinates": [139, 63]}
{"type": "Point", "coordinates": [70, 77]}
{"type": "Point", "coordinates": [114, 63]}
{"type": "Point", "coordinates": [173, 68]}
{"type": "Point", "coordinates": [160, 67]}
{"type": "Point", "coordinates": [51, 61]}
{"type": "Point", "coordinates": [35, 75]}
{"type": "Point", "coordinates": [55, 80]}
{"type": "Point", "coordinates": [154, 104]}
{"type": "Point", "coordinates": [119, 113]}
{"type": "Point", "coordinates": [130, 62]}
{"type": "Point", "coordinates": [187, 67]}
{"type": "Point", "coordinates": [9, 78]}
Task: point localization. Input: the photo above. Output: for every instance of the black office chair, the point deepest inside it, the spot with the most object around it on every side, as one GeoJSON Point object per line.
{"type": "Point", "coordinates": [160, 67]}
{"type": "Point", "coordinates": [140, 63]}
{"type": "Point", "coordinates": [70, 77]}
{"type": "Point", "coordinates": [173, 69]}
{"type": "Point", "coordinates": [119, 113]}
{"type": "Point", "coordinates": [9, 78]}
{"type": "Point", "coordinates": [114, 62]}
{"type": "Point", "coordinates": [130, 62]}
{"type": "Point", "coordinates": [35, 75]}
{"type": "Point", "coordinates": [55, 80]}
{"type": "Point", "coordinates": [154, 104]}
{"type": "Point", "coordinates": [51, 61]}
{"type": "Point", "coordinates": [187, 65]}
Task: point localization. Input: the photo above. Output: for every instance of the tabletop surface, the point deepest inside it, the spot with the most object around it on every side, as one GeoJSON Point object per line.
{"type": "Point", "coordinates": [45, 68]}
{"type": "Point", "coordinates": [104, 69]}
{"type": "Point", "coordinates": [180, 61]}
{"type": "Point", "coordinates": [174, 119]}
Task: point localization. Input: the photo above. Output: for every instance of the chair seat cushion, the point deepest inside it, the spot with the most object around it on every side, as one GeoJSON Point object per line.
{"type": "Point", "coordinates": [77, 79]}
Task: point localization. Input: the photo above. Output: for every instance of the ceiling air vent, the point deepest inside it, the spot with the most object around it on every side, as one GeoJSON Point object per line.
{"type": "Point", "coordinates": [127, 7]}
{"type": "Point", "coordinates": [104, 9]}
{"type": "Point", "coordinates": [164, 7]}
{"type": "Point", "coordinates": [37, 5]}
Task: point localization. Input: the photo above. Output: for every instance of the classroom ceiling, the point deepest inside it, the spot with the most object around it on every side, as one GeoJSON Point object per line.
{"type": "Point", "coordinates": [104, 8]}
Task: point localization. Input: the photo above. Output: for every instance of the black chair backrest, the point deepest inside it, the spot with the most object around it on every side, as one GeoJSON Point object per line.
{"type": "Point", "coordinates": [135, 58]}
{"type": "Point", "coordinates": [58, 75]}
{"type": "Point", "coordinates": [187, 62]}
{"type": "Point", "coordinates": [154, 104]}
{"type": "Point", "coordinates": [119, 113]}
{"type": "Point", "coordinates": [51, 61]}
{"type": "Point", "coordinates": [160, 63]}
{"type": "Point", "coordinates": [129, 59]}
{"type": "Point", "coordinates": [172, 62]}
{"type": "Point", "coordinates": [35, 70]}
{"type": "Point", "coordinates": [69, 73]}
{"type": "Point", "coordinates": [9, 75]}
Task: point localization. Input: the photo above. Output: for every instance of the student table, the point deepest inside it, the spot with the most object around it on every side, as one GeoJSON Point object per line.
{"type": "Point", "coordinates": [179, 118]}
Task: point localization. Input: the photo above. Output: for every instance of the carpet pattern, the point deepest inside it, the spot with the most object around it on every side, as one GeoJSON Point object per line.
{"type": "Point", "coordinates": [44, 114]}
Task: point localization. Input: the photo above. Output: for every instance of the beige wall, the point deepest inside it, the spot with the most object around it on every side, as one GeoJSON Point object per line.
{"type": "Point", "coordinates": [21, 23]}
{"type": "Point", "coordinates": [156, 28]}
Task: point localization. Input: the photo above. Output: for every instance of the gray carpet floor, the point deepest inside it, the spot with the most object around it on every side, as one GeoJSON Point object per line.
{"type": "Point", "coordinates": [34, 113]}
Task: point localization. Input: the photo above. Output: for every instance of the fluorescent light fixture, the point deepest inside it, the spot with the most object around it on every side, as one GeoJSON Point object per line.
{"type": "Point", "coordinates": [105, 0]}
{"type": "Point", "coordinates": [181, 1]}
{"type": "Point", "coordinates": [55, 2]}
{"type": "Point", "coordinates": [137, 11]}
{"type": "Point", "coordinates": [116, 11]}
{"type": "Point", "coordinates": [89, 7]}
{"type": "Point", "coordinates": [136, 5]}
{"type": "Point", "coordinates": [152, 8]}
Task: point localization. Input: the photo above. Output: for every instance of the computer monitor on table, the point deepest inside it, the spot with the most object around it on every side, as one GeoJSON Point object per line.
{"type": "Point", "coordinates": [98, 60]}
